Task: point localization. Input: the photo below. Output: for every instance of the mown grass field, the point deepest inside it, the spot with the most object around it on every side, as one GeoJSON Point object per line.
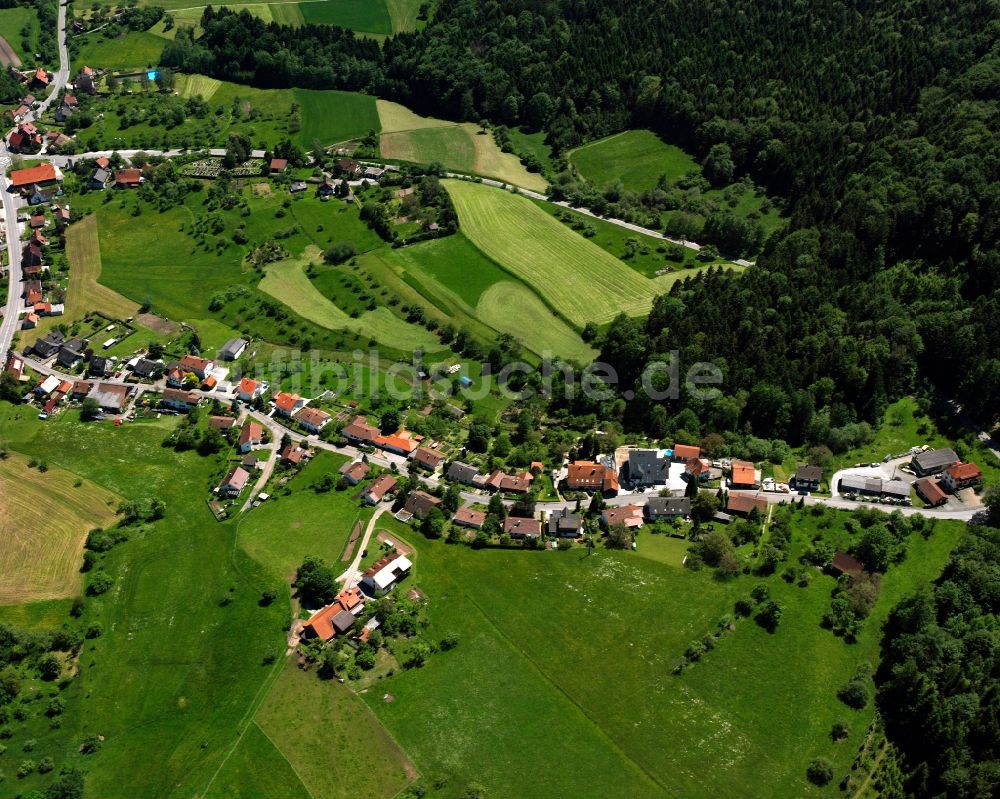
{"type": "Point", "coordinates": [375, 17]}
{"type": "Point", "coordinates": [577, 278]}
{"type": "Point", "coordinates": [44, 519]}
{"type": "Point", "coordinates": [635, 157]}
{"type": "Point", "coordinates": [12, 22]}
{"type": "Point", "coordinates": [84, 293]}
{"type": "Point", "coordinates": [331, 116]}
{"type": "Point", "coordinates": [287, 282]}
{"type": "Point", "coordinates": [134, 50]}
{"type": "Point", "coordinates": [744, 721]}
{"type": "Point", "coordinates": [395, 117]}
{"type": "Point", "coordinates": [363, 16]}
{"type": "Point", "coordinates": [404, 14]}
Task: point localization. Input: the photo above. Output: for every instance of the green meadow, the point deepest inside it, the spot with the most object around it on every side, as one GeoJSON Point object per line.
{"type": "Point", "coordinates": [635, 157]}
{"type": "Point", "coordinates": [128, 52]}
{"type": "Point", "coordinates": [12, 22]}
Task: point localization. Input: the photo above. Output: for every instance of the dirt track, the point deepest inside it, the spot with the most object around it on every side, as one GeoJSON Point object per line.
{"type": "Point", "coordinates": [7, 54]}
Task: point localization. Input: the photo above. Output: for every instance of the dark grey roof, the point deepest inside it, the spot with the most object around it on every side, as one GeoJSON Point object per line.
{"type": "Point", "coordinates": [145, 367]}
{"type": "Point", "coordinates": [99, 364]}
{"type": "Point", "coordinates": [896, 488]}
{"type": "Point", "coordinates": [342, 621]}
{"type": "Point", "coordinates": [853, 482]}
{"type": "Point", "coordinates": [808, 473]}
{"type": "Point", "coordinates": [935, 459]}
{"type": "Point", "coordinates": [647, 466]}
{"type": "Point", "coordinates": [565, 522]}
{"type": "Point", "coordinates": [462, 472]}
{"type": "Point", "coordinates": [232, 347]}
{"type": "Point", "coordinates": [668, 506]}
{"type": "Point", "coordinates": [101, 176]}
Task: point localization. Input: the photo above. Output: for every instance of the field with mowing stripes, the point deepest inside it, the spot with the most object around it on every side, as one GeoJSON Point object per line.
{"type": "Point", "coordinates": [44, 520]}
{"type": "Point", "coordinates": [84, 293]}
{"type": "Point", "coordinates": [579, 279]}
{"type": "Point", "coordinates": [134, 50]}
{"type": "Point", "coordinates": [332, 116]}
{"type": "Point", "coordinates": [362, 16]}
{"type": "Point", "coordinates": [287, 282]}
{"type": "Point", "coordinates": [635, 157]}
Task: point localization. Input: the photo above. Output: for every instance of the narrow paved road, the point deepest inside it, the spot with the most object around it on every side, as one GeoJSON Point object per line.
{"type": "Point", "coordinates": [265, 475]}
{"type": "Point", "coordinates": [351, 575]}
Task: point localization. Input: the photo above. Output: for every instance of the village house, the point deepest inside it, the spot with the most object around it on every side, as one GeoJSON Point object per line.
{"type": "Point", "coordinates": [99, 179]}
{"type": "Point", "coordinates": [382, 486]}
{"type": "Point", "coordinates": [807, 478]}
{"type": "Point", "coordinates": [179, 399]}
{"type": "Point", "coordinates": [521, 528]}
{"type": "Point", "coordinates": [25, 139]}
{"type": "Point", "coordinates": [930, 491]}
{"type": "Point", "coordinates": [233, 349]}
{"type": "Point", "coordinates": [647, 467]}
{"type": "Point", "coordinates": [277, 165]}
{"type": "Point", "coordinates": [313, 419]}
{"type": "Point", "coordinates": [337, 617]}
{"type": "Point", "coordinates": [959, 476]}
{"type": "Point", "coordinates": [14, 366]}
{"type": "Point", "coordinates": [224, 424]}
{"type": "Point", "coordinates": [110, 397]}
{"type": "Point", "coordinates": [62, 217]}
{"type": "Point", "coordinates": [743, 475]}
{"type": "Point", "coordinates": [232, 484]}
{"type": "Point", "coordinates": [427, 458]}
{"type": "Point", "coordinates": [298, 186]}
{"type": "Point", "coordinates": [200, 367]}
{"type": "Point", "coordinates": [30, 321]}
{"type": "Point", "coordinates": [628, 515]}
{"type": "Point", "coordinates": [684, 452]}
{"type": "Point", "coordinates": [697, 469]}
{"type": "Point", "coordinates": [85, 81]}
{"type": "Point", "coordinates": [66, 108]}
{"type": "Point", "coordinates": [29, 181]}
{"type": "Point", "coordinates": [743, 504]}
{"type": "Point", "coordinates": [251, 435]}
{"type": "Point", "coordinates": [288, 404]}
{"type": "Point", "coordinates": [147, 369]}
{"type": "Point", "coordinates": [384, 574]}
{"type": "Point", "coordinates": [348, 167]}
{"type": "Point", "coordinates": [48, 345]}
{"type": "Point", "coordinates": [516, 483]}
{"type": "Point", "coordinates": [420, 503]}
{"type": "Point", "coordinates": [467, 517]}
{"type": "Point", "coordinates": [56, 140]}
{"type": "Point", "coordinates": [249, 389]}
{"type": "Point", "coordinates": [564, 524]}
{"type": "Point", "coordinates": [589, 476]}
{"type": "Point", "coordinates": [354, 471]}
{"type": "Point", "coordinates": [402, 443]}
{"type": "Point", "coordinates": [99, 366]}
{"type": "Point", "coordinates": [373, 173]}
{"type": "Point", "coordinates": [932, 461]}
{"type": "Point", "coordinates": [81, 388]}
{"type": "Point", "coordinates": [130, 178]}
{"type": "Point", "coordinates": [658, 508]}
{"type": "Point", "coordinates": [464, 473]}
{"type": "Point", "coordinates": [294, 455]}
{"type": "Point", "coordinates": [358, 431]}
{"type": "Point", "coordinates": [70, 353]}
{"type": "Point", "coordinates": [46, 386]}
{"type": "Point", "coordinates": [18, 113]}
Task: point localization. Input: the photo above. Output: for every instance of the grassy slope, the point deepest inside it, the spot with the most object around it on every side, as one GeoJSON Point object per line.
{"type": "Point", "coordinates": [175, 671]}
{"type": "Point", "coordinates": [287, 281]}
{"type": "Point", "coordinates": [256, 769]}
{"type": "Point", "coordinates": [332, 116]}
{"type": "Point", "coordinates": [44, 520]}
{"type": "Point", "coordinates": [576, 277]}
{"type": "Point", "coordinates": [132, 51]}
{"type": "Point", "coordinates": [404, 14]}
{"type": "Point", "coordinates": [12, 20]}
{"type": "Point", "coordinates": [635, 157]}
{"type": "Point", "coordinates": [363, 16]}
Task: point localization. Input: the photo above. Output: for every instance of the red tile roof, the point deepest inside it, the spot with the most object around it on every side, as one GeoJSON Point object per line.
{"type": "Point", "coordinates": [427, 457]}
{"type": "Point", "coordinates": [285, 401]}
{"type": "Point", "coordinates": [964, 471]}
{"type": "Point", "coordinates": [929, 489]}
{"type": "Point", "coordinates": [128, 177]}
{"type": "Point", "coordinates": [516, 525]}
{"type": "Point", "coordinates": [383, 485]}
{"type": "Point", "coordinates": [469, 517]}
{"type": "Point", "coordinates": [251, 431]}
{"type": "Point", "coordinates": [744, 503]}
{"type": "Point", "coordinates": [629, 515]}
{"type": "Point", "coordinates": [743, 473]}
{"type": "Point", "coordinates": [588, 475]}
{"type": "Point", "coordinates": [42, 173]}
{"type": "Point", "coordinates": [683, 452]}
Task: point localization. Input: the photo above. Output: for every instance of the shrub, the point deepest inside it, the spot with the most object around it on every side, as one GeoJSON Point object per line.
{"type": "Point", "coordinates": [853, 694]}
{"type": "Point", "coordinates": [820, 771]}
{"type": "Point", "coordinates": [100, 583]}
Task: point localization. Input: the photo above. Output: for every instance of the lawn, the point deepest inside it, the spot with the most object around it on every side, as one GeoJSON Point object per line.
{"type": "Point", "coordinates": [131, 51]}
{"type": "Point", "coordinates": [44, 519]}
{"type": "Point", "coordinates": [84, 293]}
{"type": "Point", "coordinates": [395, 117]}
{"type": "Point", "coordinates": [305, 716]}
{"type": "Point", "coordinates": [576, 277]}
{"type": "Point", "coordinates": [450, 146]}
{"type": "Point", "coordinates": [180, 660]}
{"type": "Point", "coordinates": [12, 21]}
{"type": "Point", "coordinates": [332, 117]}
{"type": "Point", "coordinates": [363, 16]}
{"type": "Point", "coordinates": [635, 157]}
{"type": "Point", "coordinates": [287, 282]}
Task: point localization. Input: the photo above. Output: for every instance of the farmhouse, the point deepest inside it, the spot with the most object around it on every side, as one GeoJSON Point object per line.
{"type": "Point", "coordinates": [464, 473]}
{"type": "Point", "coordinates": [896, 489]}
{"type": "Point", "coordinates": [648, 467]}
{"type": "Point", "coordinates": [233, 349]}
{"type": "Point", "coordinates": [328, 622]}
{"type": "Point", "coordinates": [667, 508]}
{"type": "Point", "coordinates": [807, 478]}
{"type": "Point", "coordinates": [629, 515]}
{"type": "Point", "coordinates": [313, 419]}
{"type": "Point", "coordinates": [251, 435]}
{"type": "Point", "coordinates": [419, 504]}
{"type": "Point", "coordinates": [180, 400]}
{"type": "Point", "coordinates": [384, 574]}
{"type": "Point", "coordinates": [697, 469]}
{"type": "Point", "coordinates": [110, 397]}
{"type": "Point", "coordinates": [383, 485]}
{"type": "Point", "coordinates": [26, 180]}
{"type": "Point", "coordinates": [197, 365]}
{"type": "Point", "coordinates": [684, 452]}
{"type": "Point", "coordinates": [467, 517]}
{"type": "Point", "coordinates": [932, 461]}
{"type": "Point", "coordinates": [287, 404]}
{"type": "Point", "coordinates": [354, 472]}
{"type": "Point", "coordinates": [85, 81]}
{"type": "Point", "coordinates": [930, 491]}
{"type": "Point", "coordinates": [232, 484]}
{"type": "Point", "coordinates": [743, 475]}
{"type": "Point", "coordinates": [47, 385]}
{"type": "Point", "coordinates": [427, 458]}
{"type": "Point", "coordinates": [564, 524]}
{"type": "Point", "coordinates": [99, 179]}
{"type": "Point", "coordinates": [349, 167]}
{"type": "Point", "coordinates": [521, 528]}
{"type": "Point", "coordinates": [744, 504]}
{"type": "Point", "coordinates": [959, 476]}
{"type": "Point", "coordinates": [589, 476]}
